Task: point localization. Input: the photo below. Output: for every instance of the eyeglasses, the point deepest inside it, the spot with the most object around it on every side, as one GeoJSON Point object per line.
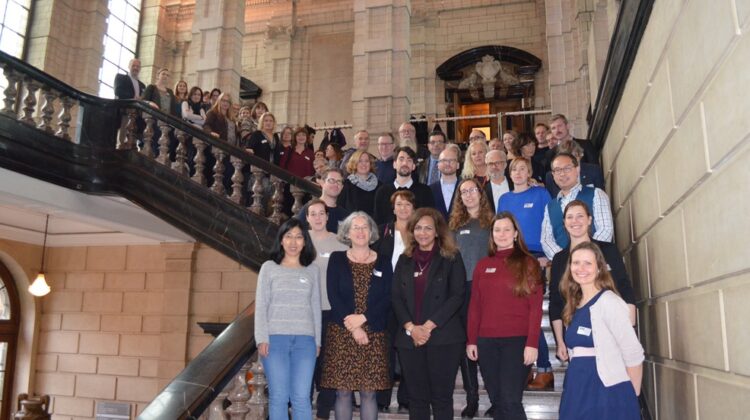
{"type": "Point", "coordinates": [334, 181]}
{"type": "Point", "coordinates": [360, 228]}
{"type": "Point", "coordinates": [497, 163]}
{"type": "Point", "coordinates": [472, 138]}
{"type": "Point", "coordinates": [469, 191]}
{"type": "Point", "coordinates": [449, 161]}
{"type": "Point", "coordinates": [563, 170]}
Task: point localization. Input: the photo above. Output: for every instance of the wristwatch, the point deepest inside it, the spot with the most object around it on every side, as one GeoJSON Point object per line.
{"type": "Point", "coordinates": [408, 331]}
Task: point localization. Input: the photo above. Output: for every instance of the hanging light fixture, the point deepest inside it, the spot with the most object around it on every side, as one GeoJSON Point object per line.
{"type": "Point", "coordinates": [40, 287]}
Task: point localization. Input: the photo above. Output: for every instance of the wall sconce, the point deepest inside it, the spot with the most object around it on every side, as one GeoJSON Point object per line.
{"type": "Point", "coordinates": [40, 287]}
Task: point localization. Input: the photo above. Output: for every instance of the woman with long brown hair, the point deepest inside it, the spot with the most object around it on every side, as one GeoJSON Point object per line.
{"type": "Point", "coordinates": [604, 376]}
{"type": "Point", "coordinates": [428, 292]}
{"type": "Point", "coordinates": [505, 313]}
{"type": "Point", "coordinates": [470, 221]}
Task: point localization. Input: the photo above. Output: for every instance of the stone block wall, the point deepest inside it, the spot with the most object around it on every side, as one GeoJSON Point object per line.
{"type": "Point", "coordinates": [676, 160]}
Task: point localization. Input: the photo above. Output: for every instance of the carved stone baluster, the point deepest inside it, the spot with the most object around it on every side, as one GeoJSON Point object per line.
{"type": "Point", "coordinates": [216, 409]}
{"type": "Point", "coordinates": [298, 195]}
{"type": "Point", "coordinates": [163, 157]}
{"type": "Point", "coordinates": [180, 161]}
{"type": "Point", "coordinates": [257, 206]}
{"type": "Point", "coordinates": [258, 403]}
{"type": "Point", "coordinates": [148, 136]}
{"type": "Point", "coordinates": [237, 179]}
{"type": "Point", "coordinates": [239, 397]}
{"type": "Point", "coordinates": [218, 185]}
{"type": "Point", "coordinates": [128, 141]}
{"type": "Point", "coordinates": [29, 102]}
{"type": "Point", "coordinates": [200, 160]}
{"type": "Point", "coordinates": [11, 91]}
{"type": "Point", "coordinates": [64, 118]}
{"type": "Point", "coordinates": [277, 201]}
{"type": "Point", "coordinates": [47, 110]}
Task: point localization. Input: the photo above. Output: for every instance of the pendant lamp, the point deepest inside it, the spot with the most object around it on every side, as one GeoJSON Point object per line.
{"type": "Point", "coordinates": [40, 287]}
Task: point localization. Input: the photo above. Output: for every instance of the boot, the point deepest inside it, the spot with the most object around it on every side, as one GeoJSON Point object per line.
{"type": "Point", "coordinates": [470, 410]}
{"type": "Point", "coordinates": [544, 381]}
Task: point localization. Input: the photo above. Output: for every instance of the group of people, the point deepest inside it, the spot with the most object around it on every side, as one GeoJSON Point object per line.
{"type": "Point", "coordinates": [425, 278]}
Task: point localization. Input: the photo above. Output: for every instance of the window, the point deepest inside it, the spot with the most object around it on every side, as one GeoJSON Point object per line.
{"type": "Point", "coordinates": [120, 42]}
{"type": "Point", "coordinates": [9, 322]}
{"type": "Point", "coordinates": [14, 19]}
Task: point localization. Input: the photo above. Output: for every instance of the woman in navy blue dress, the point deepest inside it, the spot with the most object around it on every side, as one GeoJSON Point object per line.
{"type": "Point", "coordinates": [606, 359]}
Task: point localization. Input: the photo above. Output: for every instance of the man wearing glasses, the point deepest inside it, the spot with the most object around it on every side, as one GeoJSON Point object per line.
{"type": "Point", "coordinates": [428, 169]}
{"type": "Point", "coordinates": [444, 189]}
{"type": "Point", "coordinates": [331, 183]}
{"type": "Point", "coordinates": [565, 171]}
{"type": "Point", "coordinates": [384, 169]}
{"type": "Point", "coordinates": [496, 161]}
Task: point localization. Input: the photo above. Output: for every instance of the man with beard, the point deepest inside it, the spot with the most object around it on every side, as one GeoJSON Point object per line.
{"type": "Point", "coordinates": [496, 161]}
{"type": "Point", "coordinates": [445, 188]}
{"type": "Point", "coordinates": [404, 163]}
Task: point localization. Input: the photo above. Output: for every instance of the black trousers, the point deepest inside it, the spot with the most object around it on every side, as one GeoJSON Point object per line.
{"type": "Point", "coordinates": [326, 397]}
{"type": "Point", "coordinates": [501, 362]}
{"type": "Point", "coordinates": [430, 378]}
{"type": "Point", "coordinates": [469, 374]}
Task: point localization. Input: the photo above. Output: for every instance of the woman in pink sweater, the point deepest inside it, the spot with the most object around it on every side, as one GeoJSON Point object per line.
{"type": "Point", "coordinates": [504, 319]}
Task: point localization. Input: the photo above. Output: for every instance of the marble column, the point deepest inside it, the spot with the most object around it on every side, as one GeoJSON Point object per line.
{"type": "Point", "coordinates": [382, 59]}
{"type": "Point", "coordinates": [279, 37]}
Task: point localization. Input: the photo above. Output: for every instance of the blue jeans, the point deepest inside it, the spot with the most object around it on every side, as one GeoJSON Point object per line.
{"type": "Point", "coordinates": [289, 368]}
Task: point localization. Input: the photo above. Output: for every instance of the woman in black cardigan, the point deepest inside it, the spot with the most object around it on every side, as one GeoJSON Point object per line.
{"type": "Point", "coordinates": [428, 292]}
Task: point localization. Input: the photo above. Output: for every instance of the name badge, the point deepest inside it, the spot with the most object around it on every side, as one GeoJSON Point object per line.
{"type": "Point", "coordinates": [307, 157]}
{"type": "Point", "coordinates": [302, 280]}
{"type": "Point", "coordinates": [416, 274]}
{"type": "Point", "coordinates": [264, 141]}
{"type": "Point", "coordinates": [584, 331]}
{"type": "Point", "coordinates": [464, 232]}
{"type": "Point", "coordinates": [377, 273]}
{"type": "Point", "coordinates": [324, 254]}
{"type": "Point", "coordinates": [490, 270]}
{"type": "Point", "coordinates": [528, 205]}
{"type": "Point", "coordinates": [609, 268]}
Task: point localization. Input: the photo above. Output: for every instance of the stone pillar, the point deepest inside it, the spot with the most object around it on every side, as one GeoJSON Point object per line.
{"type": "Point", "coordinates": [215, 50]}
{"type": "Point", "coordinates": [280, 32]}
{"type": "Point", "coordinates": [178, 269]}
{"type": "Point", "coordinates": [382, 59]}
{"type": "Point", "coordinates": [423, 93]}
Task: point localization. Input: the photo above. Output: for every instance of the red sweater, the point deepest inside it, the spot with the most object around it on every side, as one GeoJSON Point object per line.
{"type": "Point", "coordinates": [300, 164]}
{"type": "Point", "coordinates": [494, 311]}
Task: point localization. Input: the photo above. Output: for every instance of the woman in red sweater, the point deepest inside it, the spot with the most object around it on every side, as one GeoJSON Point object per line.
{"type": "Point", "coordinates": [504, 319]}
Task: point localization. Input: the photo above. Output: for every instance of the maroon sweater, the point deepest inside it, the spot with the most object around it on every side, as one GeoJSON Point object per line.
{"type": "Point", "coordinates": [300, 164]}
{"type": "Point", "coordinates": [494, 311]}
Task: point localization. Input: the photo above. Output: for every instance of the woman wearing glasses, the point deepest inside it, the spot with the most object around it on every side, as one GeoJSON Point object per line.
{"type": "Point", "coordinates": [359, 290]}
{"type": "Point", "coordinates": [470, 222]}
{"type": "Point", "coordinates": [428, 292]}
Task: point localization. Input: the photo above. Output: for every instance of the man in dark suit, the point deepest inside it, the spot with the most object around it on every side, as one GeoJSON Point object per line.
{"type": "Point", "coordinates": [444, 190]}
{"type": "Point", "coordinates": [125, 84]}
{"type": "Point", "coordinates": [428, 170]}
{"type": "Point", "coordinates": [404, 165]}
{"type": "Point", "coordinates": [561, 131]}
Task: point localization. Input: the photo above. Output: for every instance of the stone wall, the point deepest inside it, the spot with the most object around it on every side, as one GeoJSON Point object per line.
{"type": "Point", "coordinates": [676, 160]}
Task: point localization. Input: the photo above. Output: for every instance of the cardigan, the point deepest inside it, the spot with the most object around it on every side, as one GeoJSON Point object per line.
{"type": "Point", "coordinates": [340, 287]}
{"type": "Point", "coordinates": [441, 302]}
{"type": "Point", "coordinates": [616, 344]}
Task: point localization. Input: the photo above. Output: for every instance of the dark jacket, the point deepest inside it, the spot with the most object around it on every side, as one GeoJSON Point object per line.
{"type": "Point", "coordinates": [153, 94]}
{"type": "Point", "coordinates": [590, 155]}
{"type": "Point", "coordinates": [437, 195]}
{"type": "Point", "coordinates": [488, 193]}
{"type": "Point", "coordinates": [354, 198]}
{"type": "Point", "coordinates": [441, 303]}
{"type": "Point", "coordinates": [384, 245]}
{"type": "Point", "coordinates": [384, 210]}
{"type": "Point", "coordinates": [340, 288]}
{"type": "Point", "coordinates": [124, 87]}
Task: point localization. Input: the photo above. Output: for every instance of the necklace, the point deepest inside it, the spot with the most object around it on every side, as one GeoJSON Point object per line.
{"type": "Point", "coordinates": [422, 267]}
{"type": "Point", "coordinates": [359, 260]}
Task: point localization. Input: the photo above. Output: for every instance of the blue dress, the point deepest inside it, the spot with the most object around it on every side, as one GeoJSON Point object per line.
{"type": "Point", "coordinates": [584, 395]}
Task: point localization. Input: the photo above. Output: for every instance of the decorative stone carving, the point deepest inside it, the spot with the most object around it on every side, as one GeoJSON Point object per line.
{"type": "Point", "coordinates": [488, 68]}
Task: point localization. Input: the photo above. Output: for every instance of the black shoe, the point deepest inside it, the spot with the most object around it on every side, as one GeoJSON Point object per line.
{"type": "Point", "coordinates": [403, 408]}
{"type": "Point", "coordinates": [490, 412]}
{"type": "Point", "coordinates": [383, 408]}
{"type": "Point", "coordinates": [470, 410]}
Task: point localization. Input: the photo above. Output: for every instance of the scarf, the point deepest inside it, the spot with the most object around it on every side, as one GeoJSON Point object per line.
{"type": "Point", "coordinates": [368, 184]}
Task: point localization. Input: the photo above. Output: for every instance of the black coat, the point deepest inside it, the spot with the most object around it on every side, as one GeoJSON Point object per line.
{"type": "Point", "coordinates": [124, 87]}
{"type": "Point", "coordinates": [441, 303]}
{"type": "Point", "coordinates": [384, 210]}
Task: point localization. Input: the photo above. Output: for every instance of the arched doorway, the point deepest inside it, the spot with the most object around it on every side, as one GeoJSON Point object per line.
{"type": "Point", "coordinates": [10, 316]}
{"type": "Point", "coordinates": [487, 80]}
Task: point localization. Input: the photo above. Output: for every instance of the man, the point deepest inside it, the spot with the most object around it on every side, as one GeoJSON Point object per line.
{"type": "Point", "coordinates": [384, 165]}
{"type": "Point", "coordinates": [590, 174]}
{"type": "Point", "coordinates": [428, 170]}
{"type": "Point", "coordinates": [496, 161]}
{"type": "Point", "coordinates": [542, 145]}
{"type": "Point", "coordinates": [565, 171]}
{"type": "Point", "coordinates": [561, 132]}
{"type": "Point", "coordinates": [127, 86]}
{"type": "Point", "coordinates": [361, 142]}
{"type": "Point", "coordinates": [331, 183]}
{"type": "Point", "coordinates": [477, 135]}
{"type": "Point", "coordinates": [407, 136]}
{"type": "Point", "coordinates": [445, 188]}
{"type": "Point", "coordinates": [404, 165]}
{"type": "Point", "coordinates": [495, 144]}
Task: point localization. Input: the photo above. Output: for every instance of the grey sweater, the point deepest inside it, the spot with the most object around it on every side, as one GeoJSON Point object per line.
{"type": "Point", "coordinates": [324, 248]}
{"type": "Point", "coordinates": [287, 302]}
{"type": "Point", "coordinates": [473, 242]}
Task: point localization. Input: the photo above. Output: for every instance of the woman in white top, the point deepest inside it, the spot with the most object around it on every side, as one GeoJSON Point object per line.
{"type": "Point", "coordinates": [192, 109]}
{"type": "Point", "coordinates": [604, 376]}
{"type": "Point", "coordinates": [391, 242]}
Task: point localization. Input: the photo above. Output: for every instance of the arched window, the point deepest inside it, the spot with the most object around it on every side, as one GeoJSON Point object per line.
{"type": "Point", "coordinates": [10, 316]}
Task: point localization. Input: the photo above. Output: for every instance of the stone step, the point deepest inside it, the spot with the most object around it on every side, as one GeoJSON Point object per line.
{"type": "Point", "coordinates": [558, 371]}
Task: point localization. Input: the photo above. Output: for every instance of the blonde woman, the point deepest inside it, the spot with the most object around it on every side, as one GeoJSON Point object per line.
{"type": "Point", "coordinates": [358, 193]}
{"type": "Point", "coordinates": [474, 165]}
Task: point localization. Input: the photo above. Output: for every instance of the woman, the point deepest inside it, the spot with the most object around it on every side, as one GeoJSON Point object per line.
{"type": "Point", "coordinates": [333, 155]}
{"type": "Point", "coordinates": [505, 313]}
{"type": "Point", "coordinates": [284, 145]}
{"type": "Point", "coordinates": [192, 108]}
{"type": "Point", "coordinates": [160, 96]}
{"type": "Point", "coordinates": [394, 234]}
{"type": "Point", "coordinates": [259, 108]}
{"type": "Point", "coordinates": [428, 292]}
{"type": "Point", "coordinates": [358, 193]}
{"type": "Point", "coordinates": [509, 137]}
{"type": "Point", "coordinates": [325, 243]}
{"type": "Point", "coordinates": [604, 376]}
{"type": "Point", "coordinates": [525, 146]}
{"type": "Point", "coordinates": [260, 143]}
{"type": "Point", "coordinates": [474, 165]}
{"type": "Point", "coordinates": [220, 122]}
{"type": "Point", "coordinates": [577, 221]}
{"type": "Point", "coordinates": [288, 321]}
{"type": "Point", "coordinates": [527, 203]}
{"type": "Point", "coordinates": [359, 290]}
{"type": "Point", "coordinates": [300, 160]}
{"type": "Point", "coordinates": [470, 222]}
{"type": "Point", "coordinates": [181, 91]}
